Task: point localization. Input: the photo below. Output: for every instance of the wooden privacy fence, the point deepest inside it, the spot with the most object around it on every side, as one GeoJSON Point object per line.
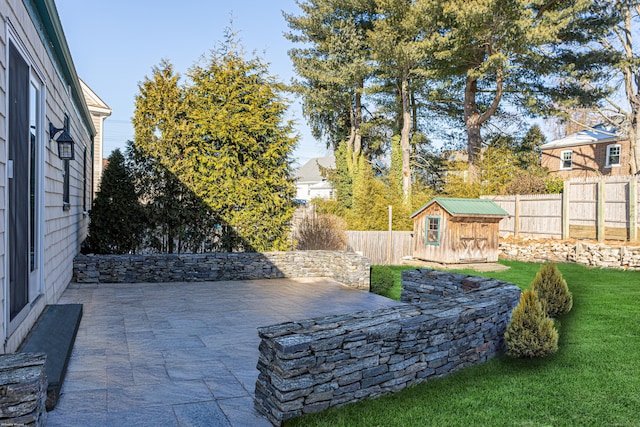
{"type": "Point", "coordinates": [593, 208]}
{"type": "Point", "coordinates": [381, 247]}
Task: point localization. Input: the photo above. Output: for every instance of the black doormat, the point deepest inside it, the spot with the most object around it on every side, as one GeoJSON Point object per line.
{"type": "Point", "coordinates": [54, 334]}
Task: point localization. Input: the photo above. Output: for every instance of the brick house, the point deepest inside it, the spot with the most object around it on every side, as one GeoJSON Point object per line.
{"type": "Point", "coordinates": [600, 150]}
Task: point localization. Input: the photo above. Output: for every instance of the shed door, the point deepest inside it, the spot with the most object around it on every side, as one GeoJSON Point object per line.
{"type": "Point", "coordinates": [474, 242]}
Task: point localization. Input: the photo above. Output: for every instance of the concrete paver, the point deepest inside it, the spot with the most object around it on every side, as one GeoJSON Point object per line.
{"type": "Point", "coordinates": [182, 354]}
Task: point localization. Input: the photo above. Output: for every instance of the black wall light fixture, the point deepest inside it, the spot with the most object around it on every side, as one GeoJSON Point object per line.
{"type": "Point", "coordinates": [64, 140]}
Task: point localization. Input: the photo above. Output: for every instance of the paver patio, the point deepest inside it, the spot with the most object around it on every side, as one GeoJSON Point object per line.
{"type": "Point", "coordinates": [182, 354]}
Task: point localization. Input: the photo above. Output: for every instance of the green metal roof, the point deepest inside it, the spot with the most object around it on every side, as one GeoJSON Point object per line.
{"type": "Point", "coordinates": [466, 206]}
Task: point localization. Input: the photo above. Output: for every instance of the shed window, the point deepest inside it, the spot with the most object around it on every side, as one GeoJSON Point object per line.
{"type": "Point", "coordinates": [566, 159]}
{"type": "Point", "coordinates": [613, 155]}
{"type": "Point", "coordinates": [433, 230]}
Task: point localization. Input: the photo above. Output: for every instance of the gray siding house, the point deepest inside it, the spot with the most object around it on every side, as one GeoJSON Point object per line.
{"type": "Point", "coordinates": [43, 197]}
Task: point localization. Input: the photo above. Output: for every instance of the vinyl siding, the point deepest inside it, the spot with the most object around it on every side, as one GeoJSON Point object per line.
{"type": "Point", "coordinates": [63, 231]}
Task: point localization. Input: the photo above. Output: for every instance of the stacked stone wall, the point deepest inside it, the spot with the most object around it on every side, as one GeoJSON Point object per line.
{"type": "Point", "coordinates": [591, 254]}
{"type": "Point", "coordinates": [348, 268]}
{"type": "Point", "coordinates": [23, 389]}
{"type": "Point", "coordinates": [451, 321]}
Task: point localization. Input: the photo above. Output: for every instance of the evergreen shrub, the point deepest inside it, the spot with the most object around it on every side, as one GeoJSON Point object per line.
{"type": "Point", "coordinates": [530, 332]}
{"type": "Point", "coordinates": [552, 291]}
{"type": "Point", "coordinates": [117, 219]}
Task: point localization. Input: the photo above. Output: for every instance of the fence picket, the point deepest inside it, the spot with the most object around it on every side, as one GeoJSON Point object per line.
{"type": "Point", "coordinates": [374, 244]}
{"type": "Point", "coordinates": [541, 216]}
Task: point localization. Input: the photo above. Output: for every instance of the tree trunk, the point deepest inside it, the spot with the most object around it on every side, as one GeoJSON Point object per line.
{"type": "Point", "coordinates": [472, 123]}
{"type": "Point", "coordinates": [357, 140]}
{"type": "Point", "coordinates": [634, 146]}
{"type": "Point", "coordinates": [405, 139]}
{"type": "Point", "coordinates": [474, 143]}
{"type": "Point", "coordinates": [632, 88]}
{"type": "Point", "coordinates": [352, 130]}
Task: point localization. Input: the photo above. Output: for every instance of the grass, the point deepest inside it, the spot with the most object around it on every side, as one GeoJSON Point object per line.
{"type": "Point", "coordinates": [593, 380]}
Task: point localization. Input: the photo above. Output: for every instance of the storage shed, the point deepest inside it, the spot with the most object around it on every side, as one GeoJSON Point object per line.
{"type": "Point", "coordinates": [452, 231]}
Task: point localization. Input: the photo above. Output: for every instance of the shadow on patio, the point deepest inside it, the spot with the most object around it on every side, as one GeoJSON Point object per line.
{"type": "Point", "coordinates": [181, 353]}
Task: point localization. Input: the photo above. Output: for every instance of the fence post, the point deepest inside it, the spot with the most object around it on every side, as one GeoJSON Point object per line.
{"type": "Point", "coordinates": [600, 214]}
{"type": "Point", "coordinates": [516, 224]}
{"type": "Point", "coordinates": [565, 210]}
{"type": "Point", "coordinates": [390, 235]}
{"type": "Point", "coordinates": [633, 208]}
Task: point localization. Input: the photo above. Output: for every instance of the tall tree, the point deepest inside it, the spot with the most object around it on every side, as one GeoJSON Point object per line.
{"type": "Point", "coordinates": [627, 64]}
{"type": "Point", "coordinates": [608, 65]}
{"type": "Point", "coordinates": [229, 145]}
{"type": "Point", "coordinates": [333, 65]}
{"type": "Point", "coordinates": [496, 49]}
{"type": "Point", "coordinates": [239, 158]}
{"type": "Point", "coordinates": [399, 46]}
{"type": "Point", "coordinates": [176, 218]}
{"type": "Point", "coordinates": [116, 216]}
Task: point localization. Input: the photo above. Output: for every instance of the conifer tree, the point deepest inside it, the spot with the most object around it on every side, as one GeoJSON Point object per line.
{"type": "Point", "coordinates": [552, 291]}
{"type": "Point", "coordinates": [400, 47]}
{"type": "Point", "coordinates": [492, 51]}
{"type": "Point", "coordinates": [333, 65]}
{"type": "Point", "coordinates": [530, 333]}
{"type": "Point", "coordinates": [224, 136]}
{"type": "Point", "coordinates": [116, 217]}
{"type": "Point", "coordinates": [604, 73]}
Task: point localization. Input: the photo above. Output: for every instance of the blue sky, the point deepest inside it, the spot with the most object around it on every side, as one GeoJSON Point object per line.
{"type": "Point", "coordinates": [116, 43]}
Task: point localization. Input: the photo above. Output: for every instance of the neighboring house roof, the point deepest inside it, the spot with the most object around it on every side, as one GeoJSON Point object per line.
{"type": "Point", "coordinates": [93, 101]}
{"type": "Point", "coordinates": [455, 206]}
{"type": "Point", "coordinates": [310, 172]}
{"type": "Point", "coordinates": [597, 134]}
{"type": "Point", "coordinates": [323, 185]}
{"type": "Point", "coordinates": [45, 12]}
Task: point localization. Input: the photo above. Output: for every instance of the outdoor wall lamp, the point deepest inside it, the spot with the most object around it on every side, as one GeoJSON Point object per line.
{"type": "Point", "coordinates": [64, 140]}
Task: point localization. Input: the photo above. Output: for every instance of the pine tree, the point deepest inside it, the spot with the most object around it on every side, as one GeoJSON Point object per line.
{"type": "Point", "coordinates": [177, 219]}
{"type": "Point", "coordinates": [333, 65]}
{"type": "Point", "coordinates": [223, 135]}
{"type": "Point", "coordinates": [492, 51]}
{"type": "Point", "coordinates": [603, 63]}
{"type": "Point", "coordinates": [116, 217]}
{"type": "Point", "coordinates": [241, 148]}
{"type": "Point", "coordinates": [530, 333]}
{"type": "Point", "coordinates": [552, 291]}
{"type": "Point", "coordinates": [400, 46]}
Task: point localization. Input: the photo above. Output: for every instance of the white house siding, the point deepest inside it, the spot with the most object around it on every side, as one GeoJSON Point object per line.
{"type": "Point", "coordinates": [62, 231]}
{"type": "Point", "coordinates": [99, 111]}
{"type": "Point", "coordinates": [97, 158]}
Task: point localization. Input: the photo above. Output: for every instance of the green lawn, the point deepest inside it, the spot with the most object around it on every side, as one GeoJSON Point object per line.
{"type": "Point", "coordinates": [593, 380]}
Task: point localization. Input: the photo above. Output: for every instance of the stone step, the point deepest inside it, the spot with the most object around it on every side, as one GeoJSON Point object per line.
{"type": "Point", "coordinates": [54, 334]}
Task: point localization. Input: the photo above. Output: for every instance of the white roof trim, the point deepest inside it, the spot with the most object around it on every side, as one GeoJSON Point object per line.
{"type": "Point", "coordinates": [93, 100]}
{"type": "Point", "coordinates": [595, 135]}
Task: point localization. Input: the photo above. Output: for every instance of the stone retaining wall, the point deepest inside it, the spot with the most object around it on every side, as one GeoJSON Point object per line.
{"type": "Point", "coordinates": [348, 268]}
{"type": "Point", "coordinates": [453, 321]}
{"type": "Point", "coordinates": [23, 389]}
{"type": "Point", "coordinates": [592, 254]}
